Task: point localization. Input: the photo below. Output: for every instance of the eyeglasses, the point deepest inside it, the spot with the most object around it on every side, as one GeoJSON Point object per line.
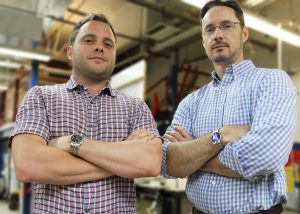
{"type": "Point", "coordinates": [225, 26]}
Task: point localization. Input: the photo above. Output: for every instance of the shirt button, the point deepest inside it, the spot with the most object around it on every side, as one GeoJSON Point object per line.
{"type": "Point", "coordinates": [91, 125]}
{"type": "Point", "coordinates": [213, 182]}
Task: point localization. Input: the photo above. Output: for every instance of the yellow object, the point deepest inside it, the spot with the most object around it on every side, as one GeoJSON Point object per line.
{"type": "Point", "coordinates": [290, 178]}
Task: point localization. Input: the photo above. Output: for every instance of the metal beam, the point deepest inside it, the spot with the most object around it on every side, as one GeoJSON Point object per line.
{"type": "Point", "coordinates": [166, 10]}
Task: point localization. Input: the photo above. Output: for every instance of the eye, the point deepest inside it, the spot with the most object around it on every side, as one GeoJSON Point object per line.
{"type": "Point", "coordinates": [108, 44]}
{"type": "Point", "coordinates": [209, 29]}
{"type": "Point", "coordinates": [227, 25]}
{"type": "Point", "coordinates": [88, 40]}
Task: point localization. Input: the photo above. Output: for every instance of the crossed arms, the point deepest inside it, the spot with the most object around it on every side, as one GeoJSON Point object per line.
{"type": "Point", "coordinates": [35, 161]}
{"type": "Point", "coordinates": [186, 155]}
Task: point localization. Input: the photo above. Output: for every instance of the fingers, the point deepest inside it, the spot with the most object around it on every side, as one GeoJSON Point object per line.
{"type": "Point", "coordinates": [141, 134]}
{"type": "Point", "coordinates": [170, 137]}
{"type": "Point", "coordinates": [185, 135]}
{"type": "Point", "coordinates": [179, 134]}
{"type": "Point", "coordinates": [234, 133]}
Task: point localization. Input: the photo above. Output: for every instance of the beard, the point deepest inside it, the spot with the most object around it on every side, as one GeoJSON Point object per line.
{"type": "Point", "coordinates": [223, 58]}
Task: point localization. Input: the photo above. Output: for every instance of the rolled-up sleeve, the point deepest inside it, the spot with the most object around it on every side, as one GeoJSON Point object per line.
{"type": "Point", "coordinates": [141, 117]}
{"type": "Point", "coordinates": [266, 147]}
{"type": "Point", "coordinates": [32, 116]}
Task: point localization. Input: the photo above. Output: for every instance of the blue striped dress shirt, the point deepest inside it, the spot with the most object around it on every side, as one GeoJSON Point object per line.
{"type": "Point", "coordinates": [264, 99]}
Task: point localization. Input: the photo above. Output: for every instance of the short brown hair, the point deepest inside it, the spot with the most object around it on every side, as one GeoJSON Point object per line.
{"type": "Point", "coordinates": [93, 17]}
{"type": "Point", "coordinates": [227, 3]}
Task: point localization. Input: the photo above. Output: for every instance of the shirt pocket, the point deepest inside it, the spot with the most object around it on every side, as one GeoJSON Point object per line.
{"type": "Point", "coordinates": [237, 110]}
{"type": "Point", "coordinates": [115, 131]}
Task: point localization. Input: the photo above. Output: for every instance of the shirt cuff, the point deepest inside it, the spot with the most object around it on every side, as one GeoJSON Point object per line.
{"type": "Point", "coordinates": [229, 157]}
{"type": "Point", "coordinates": [164, 160]}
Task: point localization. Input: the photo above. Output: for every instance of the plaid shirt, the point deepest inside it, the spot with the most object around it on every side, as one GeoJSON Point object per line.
{"type": "Point", "coordinates": [264, 99]}
{"type": "Point", "coordinates": [53, 111]}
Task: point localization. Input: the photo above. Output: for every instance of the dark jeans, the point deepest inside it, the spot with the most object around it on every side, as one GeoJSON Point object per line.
{"type": "Point", "coordinates": [277, 209]}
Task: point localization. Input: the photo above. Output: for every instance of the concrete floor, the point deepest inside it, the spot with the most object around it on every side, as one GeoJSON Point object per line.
{"type": "Point", "coordinates": [5, 210]}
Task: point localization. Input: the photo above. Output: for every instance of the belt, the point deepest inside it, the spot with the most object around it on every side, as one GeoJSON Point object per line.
{"type": "Point", "coordinates": [277, 209]}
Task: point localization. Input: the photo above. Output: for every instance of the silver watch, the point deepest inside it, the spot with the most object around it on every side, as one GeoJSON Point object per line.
{"type": "Point", "coordinates": [75, 142]}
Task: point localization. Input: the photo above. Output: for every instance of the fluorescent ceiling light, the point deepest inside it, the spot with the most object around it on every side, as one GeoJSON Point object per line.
{"type": "Point", "coordinates": [253, 3]}
{"type": "Point", "coordinates": [272, 30]}
{"type": "Point", "coordinates": [196, 3]}
{"type": "Point", "coordinates": [261, 25]}
{"type": "Point", "coordinates": [9, 64]}
{"type": "Point", "coordinates": [24, 54]}
{"type": "Point", "coordinates": [3, 87]}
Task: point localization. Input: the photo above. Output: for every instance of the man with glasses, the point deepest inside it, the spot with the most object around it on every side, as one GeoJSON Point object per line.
{"type": "Point", "coordinates": [228, 172]}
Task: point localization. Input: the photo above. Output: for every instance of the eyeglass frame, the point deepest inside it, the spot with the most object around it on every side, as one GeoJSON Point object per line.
{"type": "Point", "coordinates": [222, 28]}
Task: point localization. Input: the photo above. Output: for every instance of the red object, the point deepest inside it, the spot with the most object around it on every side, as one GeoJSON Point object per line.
{"type": "Point", "coordinates": [155, 108]}
{"type": "Point", "coordinates": [294, 157]}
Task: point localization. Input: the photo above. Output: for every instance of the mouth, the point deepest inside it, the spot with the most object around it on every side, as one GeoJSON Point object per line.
{"type": "Point", "coordinates": [218, 46]}
{"type": "Point", "coordinates": [98, 58]}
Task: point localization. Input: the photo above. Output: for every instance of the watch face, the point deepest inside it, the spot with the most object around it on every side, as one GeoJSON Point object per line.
{"type": "Point", "coordinates": [76, 139]}
{"type": "Point", "coordinates": [216, 137]}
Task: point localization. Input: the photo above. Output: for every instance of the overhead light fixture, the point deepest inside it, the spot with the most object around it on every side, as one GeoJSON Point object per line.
{"type": "Point", "coordinates": [253, 3]}
{"type": "Point", "coordinates": [261, 25]}
{"type": "Point", "coordinates": [8, 51]}
{"type": "Point", "coordinates": [3, 87]}
{"type": "Point", "coordinates": [196, 3]}
{"type": "Point", "coordinates": [9, 64]}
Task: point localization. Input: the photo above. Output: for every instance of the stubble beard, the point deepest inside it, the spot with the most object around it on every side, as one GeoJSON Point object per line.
{"type": "Point", "coordinates": [225, 59]}
{"type": "Point", "coordinates": [92, 74]}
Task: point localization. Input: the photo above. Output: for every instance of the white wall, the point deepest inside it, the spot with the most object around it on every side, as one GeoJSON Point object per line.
{"type": "Point", "coordinates": [131, 80]}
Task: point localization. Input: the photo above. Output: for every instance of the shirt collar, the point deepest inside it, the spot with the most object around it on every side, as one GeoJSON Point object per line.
{"type": "Point", "coordinates": [237, 69]}
{"type": "Point", "coordinates": [72, 84]}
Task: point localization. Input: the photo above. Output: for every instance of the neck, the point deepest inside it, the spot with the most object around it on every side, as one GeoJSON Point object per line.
{"type": "Point", "coordinates": [93, 86]}
{"type": "Point", "coordinates": [221, 67]}
{"type": "Point", "coordinates": [220, 70]}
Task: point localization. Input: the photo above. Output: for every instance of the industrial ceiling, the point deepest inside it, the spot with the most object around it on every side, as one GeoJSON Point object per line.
{"type": "Point", "coordinates": [143, 27]}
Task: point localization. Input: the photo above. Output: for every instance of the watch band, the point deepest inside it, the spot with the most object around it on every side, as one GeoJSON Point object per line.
{"type": "Point", "coordinates": [73, 150]}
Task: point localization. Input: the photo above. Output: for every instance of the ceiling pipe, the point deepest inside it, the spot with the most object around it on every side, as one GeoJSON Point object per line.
{"type": "Point", "coordinates": [166, 10]}
{"type": "Point", "coordinates": [121, 35]}
{"type": "Point", "coordinates": [196, 30]}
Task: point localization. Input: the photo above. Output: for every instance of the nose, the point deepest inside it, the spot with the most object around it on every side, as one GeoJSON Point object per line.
{"type": "Point", "coordinates": [218, 34]}
{"type": "Point", "coordinates": [98, 48]}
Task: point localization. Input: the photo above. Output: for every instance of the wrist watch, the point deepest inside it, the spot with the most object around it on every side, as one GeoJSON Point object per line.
{"type": "Point", "coordinates": [216, 139]}
{"type": "Point", "coordinates": [75, 142]}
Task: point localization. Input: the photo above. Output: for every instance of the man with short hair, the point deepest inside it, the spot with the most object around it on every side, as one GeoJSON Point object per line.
{"type": "Point", "coordinates": [246, 175]}
{"type": "Point", "coordinates": [79, 142]}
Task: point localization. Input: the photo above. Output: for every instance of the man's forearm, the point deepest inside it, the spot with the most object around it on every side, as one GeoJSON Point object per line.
{"type": "Point", "coordinates": [184, 158]}
{"type": "Point", "coordinates": [215, 166]}
{"type": "Point", "coordinates": [36, 162]}
{"type": "Point", "coordinates": [130, 159]}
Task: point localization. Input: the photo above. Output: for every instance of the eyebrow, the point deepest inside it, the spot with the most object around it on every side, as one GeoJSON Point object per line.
{"type": "Point", "coordinates": [94, 35]}
{"type": "Point", "coordinates": [208, 25]}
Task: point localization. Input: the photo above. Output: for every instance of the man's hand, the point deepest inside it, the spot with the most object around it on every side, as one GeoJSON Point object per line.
{"type": "Point", "coordinates": [179, 134]}
{"type": "Point", "coordinates": [62, 143]}
{"type": "Point", "coordinates": [231, 134]}
{"type": "Point", "coordinates": [141, 134]}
